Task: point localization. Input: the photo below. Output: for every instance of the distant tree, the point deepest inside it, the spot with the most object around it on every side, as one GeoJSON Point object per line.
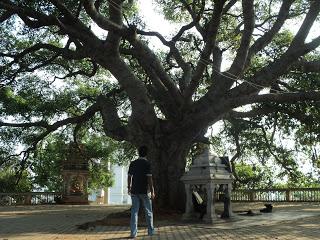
{"type": "Point", "coordinates": [8, 181]}
{"type": "Point", "coordinates": [253, 177]}
{"type": "Point", "coordinates": [47, 165]}
{"type": "Point", "coordinates": [277, 143]}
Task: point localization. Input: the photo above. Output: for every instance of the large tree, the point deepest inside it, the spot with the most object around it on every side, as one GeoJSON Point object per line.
{"type": "Point", "coordinates": [221, 58]}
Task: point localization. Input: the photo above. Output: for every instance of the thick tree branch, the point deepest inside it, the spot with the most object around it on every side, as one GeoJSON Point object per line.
{"type": "Point", "coordinates": [242, 53]}
{"type": "Point", "coordinates": [156, 89]}
{"type": "Point", "coordinates": [77, 30]}
{"type": "Point", "coordinates": [268, 36]}
{"type": "Point", "coordinates": [268, 75]}
{"type": "Point", "coordinates": [229, 5]}
{"type": "Point", "coordinates": [305, 66]}
{"type": "Point", "coordinates": [182, 30]}
{"type": "Point", "coordinates": [63, 9]}
{"type": "Point", "coordinates": [306, 25]}
{"type": "Point", "coordinates": [216, 66]}
{"type": "Point", "coordinates": [164, 101]}
{"type": "Point", "coordinates": [150, 62]}
{"type": "Point", "coordinates": [52, 127]}
{"type": "Point", "coordinates": [112, 124]}
{"type": "Point", "coordinates": [28, 13]}
{"type": "Point", "coordinates": [297, 113]}
{"type": "Point", "coordinates": [223, 81]}
{"type": "Point", "coordinates": [210, 40]}
{"type": "Point", "coordinates": [142, 109]}
{"type": "Point", "coordinates": [100, 20]}
{"type": "Point", "coordinates": [195, 16]}
{"type": "Point", "coordinates": [278, 98]}
{"type": "Point", "coordinates": [176, 54]}
{"type": "Point", "coordinates": [201, 116]}
{"type": "Point", "coordinates": [42, 124]}
{"type": "Point", "coordinates": [5, 16]}
{"type": "Point", "coordinates": [114, 25]}
{"type": "Point", "coordinates": [154, 34]}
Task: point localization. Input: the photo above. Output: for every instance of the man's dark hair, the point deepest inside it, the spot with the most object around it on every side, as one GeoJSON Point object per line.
{"type": "Point", "coordinates": [143, 151]}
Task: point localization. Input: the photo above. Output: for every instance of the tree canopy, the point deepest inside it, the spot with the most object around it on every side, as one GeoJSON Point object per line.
{"type": "Point", "coordinates": [87, 65]}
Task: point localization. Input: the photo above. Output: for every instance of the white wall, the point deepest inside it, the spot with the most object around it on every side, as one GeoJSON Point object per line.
{"type": "Point", "coordinates": [118, 193]}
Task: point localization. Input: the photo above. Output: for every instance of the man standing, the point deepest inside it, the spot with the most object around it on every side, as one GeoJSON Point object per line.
{"type": "Point", "coordinates": [139, 179]}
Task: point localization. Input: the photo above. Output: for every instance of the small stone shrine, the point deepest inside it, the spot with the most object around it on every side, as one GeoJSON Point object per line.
{"type": "Point", "coordinates": [75, 177]}
{"type": "Point", "coordinates": [210, 174]}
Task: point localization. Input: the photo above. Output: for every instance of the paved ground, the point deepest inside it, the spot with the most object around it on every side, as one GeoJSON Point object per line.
{"type": "Point", "coordinates": [295, 221]}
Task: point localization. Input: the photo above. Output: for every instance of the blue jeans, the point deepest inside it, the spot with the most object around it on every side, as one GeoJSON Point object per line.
{"type": "Point", "coordinates": [135, 210]}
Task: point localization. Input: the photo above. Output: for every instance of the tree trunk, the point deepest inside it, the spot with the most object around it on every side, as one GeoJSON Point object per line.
{"type": "Point", "coordinates": [168, 165]}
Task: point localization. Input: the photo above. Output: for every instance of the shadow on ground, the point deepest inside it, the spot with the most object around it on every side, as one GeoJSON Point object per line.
{"type": "Point", "coordinates": [245, 214]}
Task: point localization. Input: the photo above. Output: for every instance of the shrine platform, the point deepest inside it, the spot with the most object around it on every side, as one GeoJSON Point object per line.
{"type": "Point", "coordinates": [287, 221]}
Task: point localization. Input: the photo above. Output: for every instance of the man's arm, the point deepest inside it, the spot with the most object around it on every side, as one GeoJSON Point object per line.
{"type": "Point", "coordinates": [129, 179]}
{"type": "Point", "coordinates": [129, 183]}
{"type": "Point", "coordinates": [150, 183]}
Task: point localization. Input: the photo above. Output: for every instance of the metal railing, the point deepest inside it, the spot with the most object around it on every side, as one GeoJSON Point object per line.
{"type": "Point", "coordinates": [257, 195]}
{"type": "Point", "coordinates": [277, 195]}
{"type": "Point", "coordinates": [30, 198]}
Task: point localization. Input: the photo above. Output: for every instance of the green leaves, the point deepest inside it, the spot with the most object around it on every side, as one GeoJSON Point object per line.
{"type": "Point", "coordinates": [253, 177]}
{"type": "Point", "coordinates": [8, 179]}
{"type": "Point", "coordinates": [100, 176]}
{"type": "Point", "coordinates": [174, 10]}
{"type": "Point", "coordinates": [46, 164]}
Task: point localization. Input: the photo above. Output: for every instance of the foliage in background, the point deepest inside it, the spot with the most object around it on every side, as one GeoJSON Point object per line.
{"type": "Point", "coordinates": [253, 177]}
{"type": "Point", "coordinates": [263, 156]}
{"type": "Point", "coordinates": [8, 180]}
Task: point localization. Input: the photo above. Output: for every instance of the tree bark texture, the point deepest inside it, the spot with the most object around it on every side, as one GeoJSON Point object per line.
{"type": "Point", "coordinates": [168, 158]}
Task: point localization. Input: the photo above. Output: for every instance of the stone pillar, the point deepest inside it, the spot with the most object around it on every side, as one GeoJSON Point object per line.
{"type": "Point", "coordinates": [227, 209]}
{"type": "Point", "coordinates": [230, 205]}
{"type": "Point", "coordinates": [189, 212]}
{"type": "Point", "coordinates": [210, 216]}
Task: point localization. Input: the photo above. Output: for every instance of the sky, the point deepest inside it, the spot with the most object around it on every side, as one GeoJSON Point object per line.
{"type": "Point", "coordinates": [155, 21]}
